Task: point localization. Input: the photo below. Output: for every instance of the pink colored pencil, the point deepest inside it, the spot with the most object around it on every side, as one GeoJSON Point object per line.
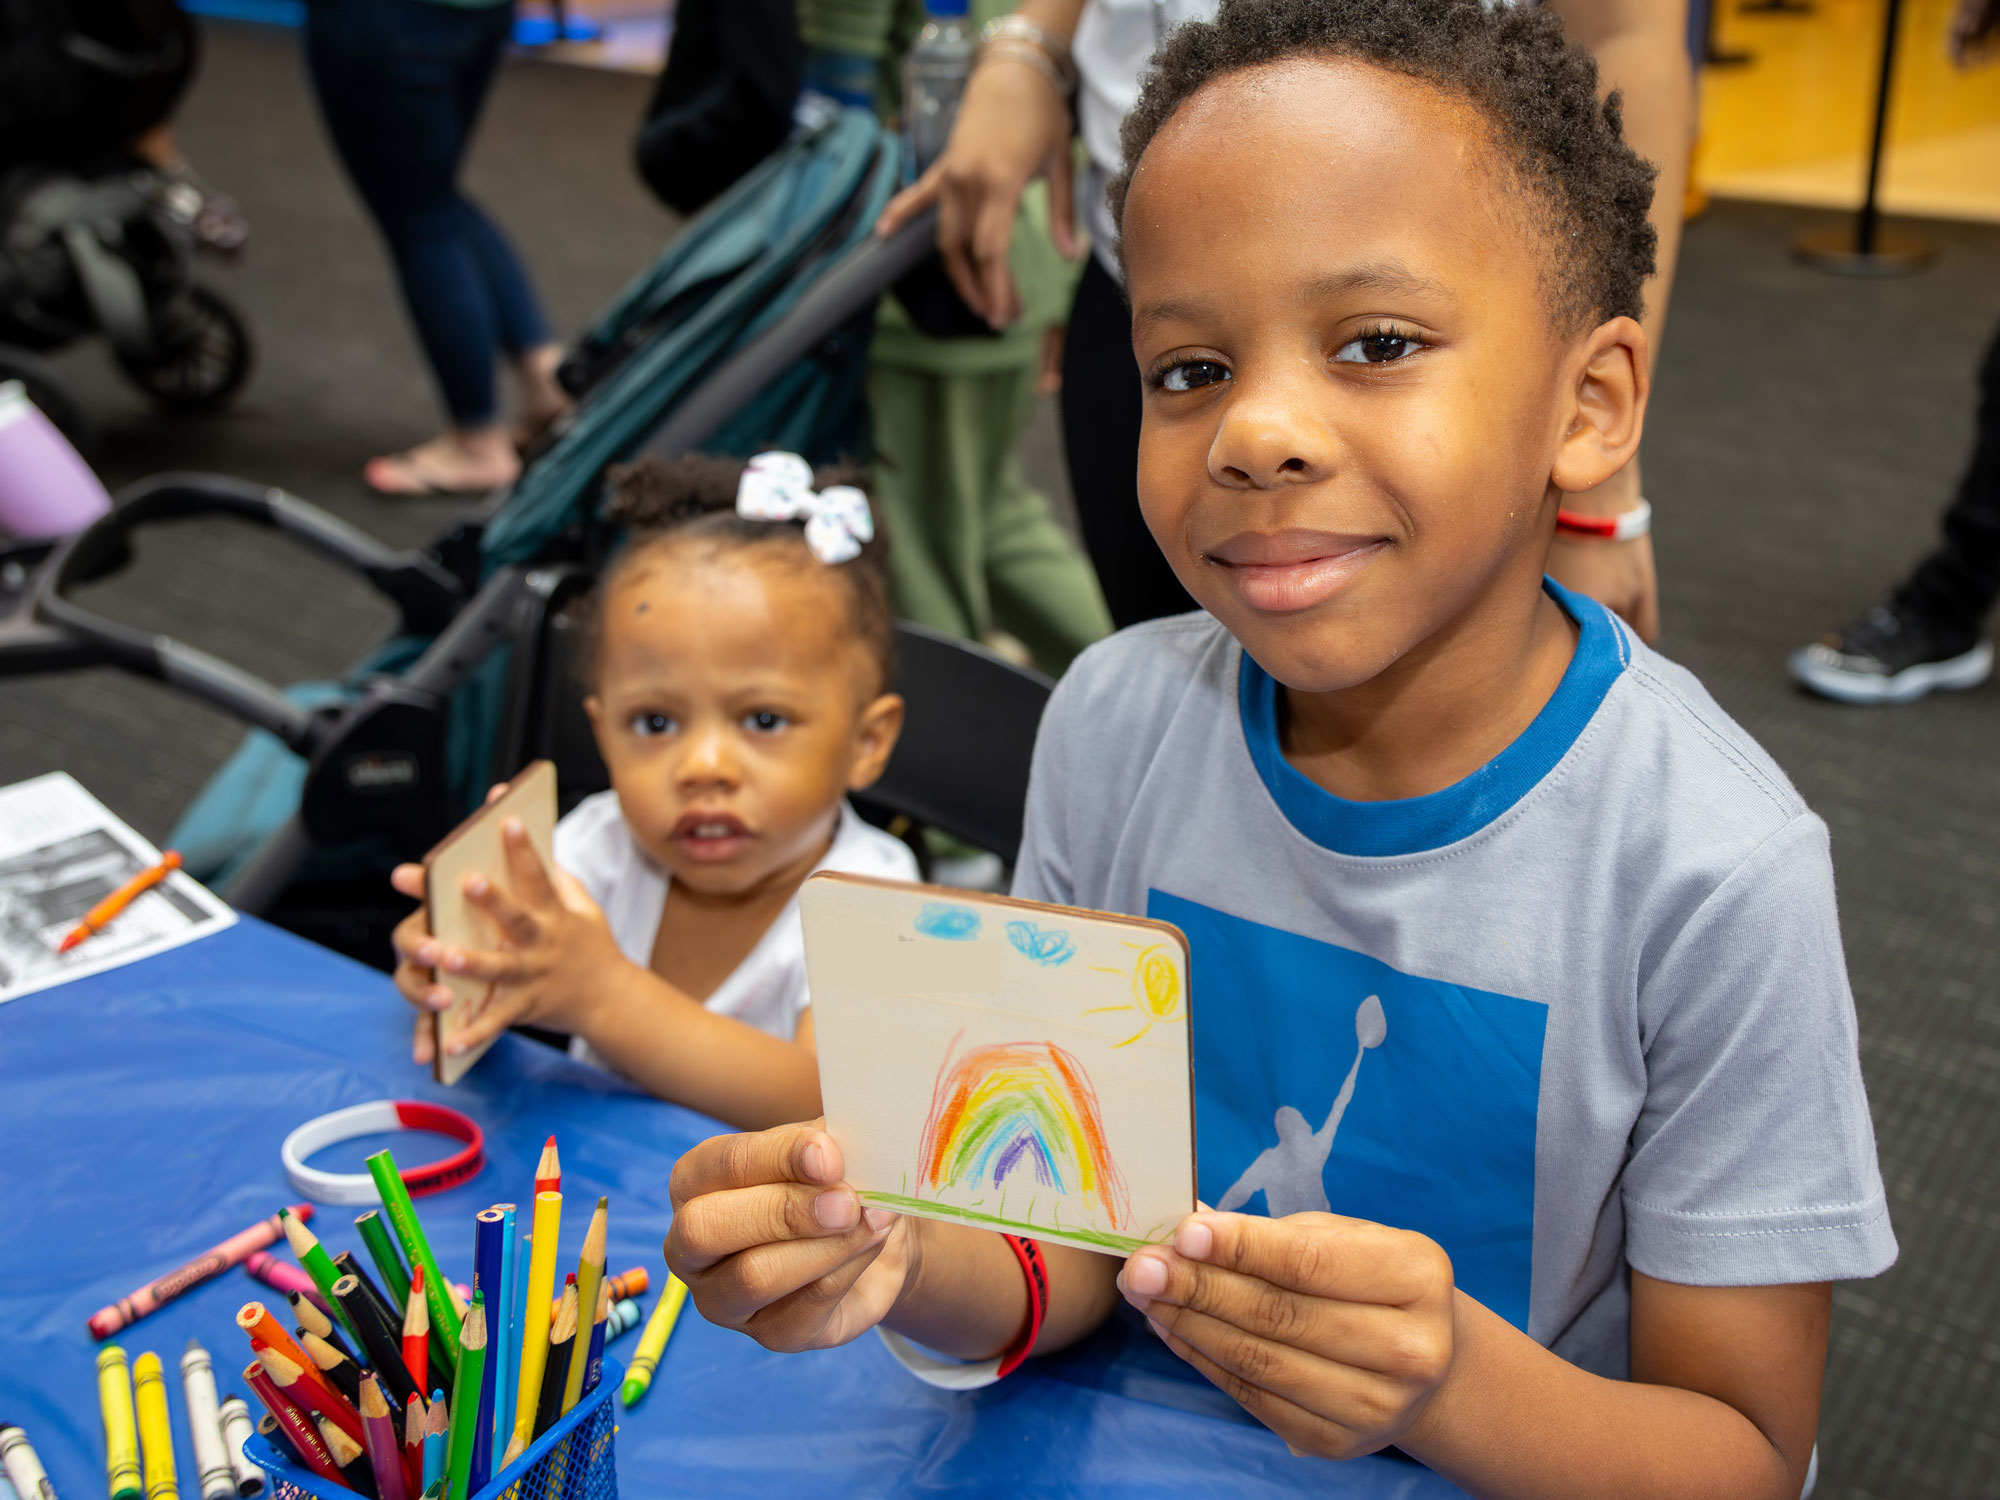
{"type": "Point", "coordinates": [129, 1309]}
{"type": "Point", "coordinates": [282, 1275]}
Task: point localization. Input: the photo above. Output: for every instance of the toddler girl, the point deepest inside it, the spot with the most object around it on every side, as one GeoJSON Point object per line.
{"type": "Point", "coordinates": [742, 649]}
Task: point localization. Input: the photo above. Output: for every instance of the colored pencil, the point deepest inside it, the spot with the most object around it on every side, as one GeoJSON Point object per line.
{"type": "Point", "coordinates": [624, 1317]}
{"type": "Point", "coordinates": [129, 1309]}
{"type": "Point", "coordinates": [381, 1342]}
{"type": "Point", "coordinates": [489, 1256]}
{"type": "Point", "coordinates": [629, 1284]}
{"type": "Point", "coordinates": [307, 1308]}
{"type": "Point", "coordinates": [382, 1250]}
{"type": "Point", "coordinates": [659, 1328]}
{"type": "Point", "coordinates": [548, 1172]}
{"type": "Point", "coordinates": [506, 1331]}
{"type": "Point", "coordinates": [589, 1276]}
{"type": "Point", "coordinates": [593, 1362]}
{"type": "Point", "coordinates": [236, 1430]}
{"type": "Point", "coordinates": [204, 1419]}
{"type": "Point", "coordinates": [464, 1472]}
{"type": "Point", "coordinates": [555, 1378]}
{"type": "Point", "coordinates": [282, 1276]}
{"type": "Point", "coordinates": [22, 1465]}
{"type": "Point", "coordinates": [156, 1433]}
{"type": "Point", "coordinates": [413, 1444]}
{"type": "Point", "coordinates": [349, 1456]}
{"type": "Point", "coordinates": [255, 1319]}
{"type": "Point", "coordinates": [307, 1389]}
{"type": "Point", "coordinates": [393, 1313]}
{"type": "Point", "coordinates": [313, 1259]}
{"type": "Point", "coordinates": [297, 1427]}
{"type": "Point", "coordinates": [437, 1420]}
{"type": "Point", "coordinates": [269, 1429]}
{"type": "Point", "coordinates": [341, 1371]}
{"type": "Point", "coordinates": [534, 1322]}
{"type": "Point", "coordinates": [121, 1424]}
{"type": "Point", "coordinates": [385, 1454]}
{"type": "Point", "coordinates": [417, 1333]}
{"type": "Point", "coordinates": [106, 911]}
{"type": "Point", "coordinates": [410, 1235]}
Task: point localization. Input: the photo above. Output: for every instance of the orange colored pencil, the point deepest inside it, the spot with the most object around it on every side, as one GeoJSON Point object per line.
{"type": "Point", "coordinates": [101, 915]}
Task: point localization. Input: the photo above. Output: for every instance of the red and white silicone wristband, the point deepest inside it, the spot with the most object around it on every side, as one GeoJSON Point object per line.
{"type": "Point", "coordinates": [970, 1375]}
{"type": "Point", "coordinates": [1630, 526]}
{"type": "Point", "coordinates": [373, 1119]}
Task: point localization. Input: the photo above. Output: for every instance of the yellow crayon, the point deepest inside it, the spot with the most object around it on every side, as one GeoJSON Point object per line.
{"type": "Point", "coordinates": [659, 1327]}
{"type": "Point", "coordinates": [156, 1434]}
{"type": "Point", "coordinates": [121, 1427]}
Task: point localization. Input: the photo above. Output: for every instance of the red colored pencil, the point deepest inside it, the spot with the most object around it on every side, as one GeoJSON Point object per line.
{"type": "Point", "coordinates": [417, 1333]}
{"type": "Point", "coordinates": [548, 1174]}
{"type": "Point", "coordinates": [413, 1444]}
{"type": "Point", "coordinates": [296, 1424]}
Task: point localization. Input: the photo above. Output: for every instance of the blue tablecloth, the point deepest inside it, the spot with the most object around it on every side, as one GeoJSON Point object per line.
{"type": "Point", "coordinates": [140, 1116]}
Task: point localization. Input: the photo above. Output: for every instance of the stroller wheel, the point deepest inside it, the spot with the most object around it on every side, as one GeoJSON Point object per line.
{"type": "Point", "coordinates": [201, 356]}
{"type": "Point", "coordinates": [47, 392]}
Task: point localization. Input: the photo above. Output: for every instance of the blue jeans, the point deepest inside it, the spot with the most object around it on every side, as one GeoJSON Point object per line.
{"type": "Point", "coordinates": [400, 85]}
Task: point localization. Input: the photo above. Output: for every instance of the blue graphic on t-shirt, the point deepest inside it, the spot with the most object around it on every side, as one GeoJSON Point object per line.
{"type": "Point", "coordinates": [1324, 1079]}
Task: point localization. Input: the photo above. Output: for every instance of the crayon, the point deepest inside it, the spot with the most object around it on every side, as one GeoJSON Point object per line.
{"type": "Point", "coordinates": [313, 1259]}
{"type": "Point", "coordinates": [23, 1466]}
{"type": "Point", "coordinates": [156, 1433]}
{"type": "Point", "coordinates": [385, 1453]}
{"type": "Point", "coordinates": [204, 1419]}
{"type": "Point", "coordinates": [236, 1430]}
{"type": "Point", "coordinates": [106, 911]}
{"type": "Point", "coordinates": [129, 1309]}
{"type": "Point", "coordinates": [555, 1377]}
{"type": "Point", "coordinates": [410, 1235]}
{"type": "Point", "coordinates": [489, 1253]}
{"type": "Point", "coordinates": [341, 1372]}
{"type": "Point", "coordinates": [417, 1333]}
{"type": "Point", "coordinates": [623, 1318]}
{"type": "Point", "coordinates": [629, 1284]}
{"type": "Point", "coordinates": [375, 1235]}
{"type": "Point", "coordinates": [462, 1466]}
{"type": "Point", "coordinates": [589, 1276]}
{"type": "Point", "coordinates": [381, 1340]}
{"type": "Point", "coordinates": [505, 1330]}
{"type": "Point", "coordinates": [436, 1419]}
{"type": "Point", "coordinates": [281, 1276]}
{"type": "Point", "coordinates": [593, 1363]}
{"type": "Point", "coordinates": [313, 1319]}
{"type": "Point", "coordinates": [349, 1456]}
{"type": "Point", "coordinates": [121, 1426]}
{"type": "Point", "coordinates": [548, 1171]}
{"type": "Point", "coordinates": [413, 1445]}
{"type": "Point", "coordinates": [534, 1322]}
{"type": "Point", "coordinates": [307, 1389]}
{"type": "Point", "coordinates": [298, 1428]}
{"type": "Point", "coordinates": [659, 1328]}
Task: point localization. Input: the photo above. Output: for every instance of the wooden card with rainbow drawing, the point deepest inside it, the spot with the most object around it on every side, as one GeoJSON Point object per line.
{"type": "Point", "coordinates": [1004, 1063]}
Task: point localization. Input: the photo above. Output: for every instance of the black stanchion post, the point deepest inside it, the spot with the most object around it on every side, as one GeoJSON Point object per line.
{"type": "Point", "coordinates": [1713, 54]}
{"type": "Point", "coordinates": [1868, 247]}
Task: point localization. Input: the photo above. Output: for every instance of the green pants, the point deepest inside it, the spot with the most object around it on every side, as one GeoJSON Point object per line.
{"type": "Point", "coordinates": [971, 546]}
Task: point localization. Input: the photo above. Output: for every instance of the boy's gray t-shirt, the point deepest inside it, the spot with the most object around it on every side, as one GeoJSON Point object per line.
{"type": "Point", "coordinates": [1591, 999]}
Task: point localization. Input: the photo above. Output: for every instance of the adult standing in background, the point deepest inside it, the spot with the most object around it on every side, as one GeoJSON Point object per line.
{"type": "Point", "coordinates": [400, 86]}
{"type": "Point", "coordinates": [1015, 125]}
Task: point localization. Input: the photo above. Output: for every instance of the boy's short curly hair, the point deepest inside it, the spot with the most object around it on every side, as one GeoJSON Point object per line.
{"type": "Point", "coordinates": [693, 500]}
{"type": "Point", "coordinates": [1537, 93]}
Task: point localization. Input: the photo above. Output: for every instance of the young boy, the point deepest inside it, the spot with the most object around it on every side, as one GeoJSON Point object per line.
{"type": "Point", "coordinates": [1608, 1143]}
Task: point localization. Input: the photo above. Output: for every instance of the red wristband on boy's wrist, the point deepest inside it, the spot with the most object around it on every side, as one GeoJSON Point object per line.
{"type": "Point", "coordinates": [1029, 1254]}
{"type": "Point", "coordinates": [1626, 526]}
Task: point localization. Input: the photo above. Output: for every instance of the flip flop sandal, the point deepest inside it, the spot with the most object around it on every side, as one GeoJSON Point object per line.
{"type": "Point", "coordinates": [400, 475]}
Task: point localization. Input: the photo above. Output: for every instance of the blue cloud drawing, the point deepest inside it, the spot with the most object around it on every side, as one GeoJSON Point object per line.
{"type": "Point", "coordinates": [943, 919]}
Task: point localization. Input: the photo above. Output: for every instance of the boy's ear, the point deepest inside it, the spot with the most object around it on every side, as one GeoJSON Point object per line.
{"type": "Point", "coordinates": [593, 709]}
{"type": "Point", "coordinates": [1606, 410]}
{"type": "Point", "coordinates": [874, 740]}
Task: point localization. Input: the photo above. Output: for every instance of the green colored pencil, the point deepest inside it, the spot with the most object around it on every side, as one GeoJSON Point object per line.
{"type": "Point", "coordinates": [465, 1388]}
{"type": "Point", "coordinates": [317, 1263]}
{"type": "Point", "coordinates": [410, 1232]}
{"type": "Point", "coordinates": [395, 1280]}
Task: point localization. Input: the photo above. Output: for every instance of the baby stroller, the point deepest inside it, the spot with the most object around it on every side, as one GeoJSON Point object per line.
{"type": "Point", "coordinates": [749, 332]}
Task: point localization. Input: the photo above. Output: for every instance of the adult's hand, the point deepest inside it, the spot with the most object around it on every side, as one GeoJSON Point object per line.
{"type": "Point", "coordinates": [1012, 127]}
{"type": "Point", "coordinates": [1618, 575]}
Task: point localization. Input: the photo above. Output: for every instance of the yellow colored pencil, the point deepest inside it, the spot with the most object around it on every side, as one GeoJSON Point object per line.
{"type": "Point", "coordinates": [589, 1277]}
{"type": "Point", "coordinates": [534, 1313]}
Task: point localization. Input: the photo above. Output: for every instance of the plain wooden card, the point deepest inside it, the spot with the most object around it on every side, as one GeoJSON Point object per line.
{"type": "Point", "coordinates": [474, 847]}
{"type": "Point", "coordinates": [1004, 1063]}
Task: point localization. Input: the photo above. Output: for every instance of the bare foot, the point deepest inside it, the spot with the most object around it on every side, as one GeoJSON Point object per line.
{"type": "Point", "coordinates": [458, 461]}
{"type": "Point", "coordinates": [543, 400]}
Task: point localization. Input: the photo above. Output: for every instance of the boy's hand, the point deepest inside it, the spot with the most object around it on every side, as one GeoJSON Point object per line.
{"type": "Point", "coordinates": [1333, 1332]}
{"type": "Point", "coordinates": [555, 951]}
{"type": "Point", "coordinates": [772, 1243]}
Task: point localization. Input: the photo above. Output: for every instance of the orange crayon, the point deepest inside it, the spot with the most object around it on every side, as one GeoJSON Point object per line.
{"type": "Point", "coordinates": [101, 915]}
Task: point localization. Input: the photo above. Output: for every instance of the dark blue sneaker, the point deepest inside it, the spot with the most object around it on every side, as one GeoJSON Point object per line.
{"type": "Point", "coordinates": [1893, 654]}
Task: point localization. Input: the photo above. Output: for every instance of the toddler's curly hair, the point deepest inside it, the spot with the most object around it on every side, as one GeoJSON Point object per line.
{"type": "Point", "coordinates": [1536, 92]}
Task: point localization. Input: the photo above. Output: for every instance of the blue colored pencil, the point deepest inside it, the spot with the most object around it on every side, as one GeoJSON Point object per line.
{"type": "Point", "coordinates": [505, 1313]}
{"type": "Point", "coordinates": [435, 1420]}
{"type": "Point", "coordinates": [488, 1258]}
{"type": "Point", "coordinates": [593, 1370]}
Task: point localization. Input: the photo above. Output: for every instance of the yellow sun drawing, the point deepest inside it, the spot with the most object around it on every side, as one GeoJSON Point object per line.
{"type": "Point", "coordinates": [1156, 988]}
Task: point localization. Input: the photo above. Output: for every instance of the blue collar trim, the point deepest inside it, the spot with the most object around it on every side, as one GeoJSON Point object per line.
{"type": "Point", "coordinates": [1413, 825]}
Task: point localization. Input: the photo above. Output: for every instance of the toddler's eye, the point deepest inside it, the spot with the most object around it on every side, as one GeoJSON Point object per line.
{"type": "Point", "coordinates": [1378, 348]}
{"type": "Point", "coordinates": [648, 725]}
{"type": "Point", "coordinates": [1192, 374]}
{"type": "Point", "coordinates": [763, 721]}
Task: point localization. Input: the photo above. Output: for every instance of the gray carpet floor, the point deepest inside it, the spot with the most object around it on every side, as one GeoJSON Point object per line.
{"type": "Point", "coordinates": [1805, 432]}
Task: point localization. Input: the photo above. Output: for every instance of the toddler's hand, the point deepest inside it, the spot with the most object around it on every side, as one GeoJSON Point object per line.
{"type": "Point", "coordinates": [1333, 1332]}
{"type": "Point", "coordinates": [772, 1243]}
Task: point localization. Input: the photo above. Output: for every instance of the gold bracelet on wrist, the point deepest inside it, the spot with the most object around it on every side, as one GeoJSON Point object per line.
{"type": "Point", "coordinates": [1020, 31]}
{"type": "Point", "coordinates": [1007, 49]}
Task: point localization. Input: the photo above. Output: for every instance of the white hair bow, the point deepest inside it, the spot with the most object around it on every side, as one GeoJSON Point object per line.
{"type": "Point", "coordinates": [778, 487]}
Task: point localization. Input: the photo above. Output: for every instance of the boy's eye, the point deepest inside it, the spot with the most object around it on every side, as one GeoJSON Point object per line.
{"type": "Point", "coordinates": [1192, 374]}
{"type": "Point", "coordinates": [648, 725]}
{"type": "Point", "coordinates": [1380, 347]}
{"type": "Point", "coordinates": [763, 721]}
